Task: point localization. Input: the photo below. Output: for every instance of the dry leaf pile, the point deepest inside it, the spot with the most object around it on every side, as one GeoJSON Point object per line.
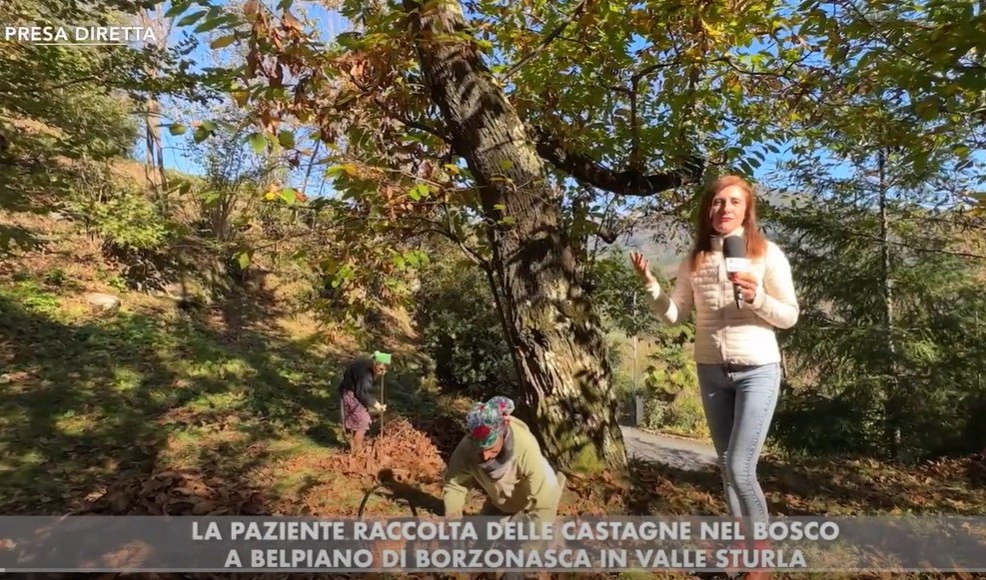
{"type": "Point", "coordinates": [401, 449]}
{"type": "Point", "coordinates": [177, 493]}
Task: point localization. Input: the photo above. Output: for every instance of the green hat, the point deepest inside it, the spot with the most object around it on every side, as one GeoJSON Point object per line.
{"type": "Point", "coordinates": [381, 357]}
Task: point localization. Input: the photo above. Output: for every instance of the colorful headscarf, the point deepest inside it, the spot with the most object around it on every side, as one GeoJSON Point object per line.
{"type": "Point", "coordinates": [486, 421]}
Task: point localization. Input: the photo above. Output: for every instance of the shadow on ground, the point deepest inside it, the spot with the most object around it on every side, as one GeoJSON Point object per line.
{"type": "Point", "coordinates": [811, 488]}
{"type": "Point", "coordinates": [87, 404]}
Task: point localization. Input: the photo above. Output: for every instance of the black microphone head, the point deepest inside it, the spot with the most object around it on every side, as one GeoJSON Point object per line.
{"type": "Point", "coordinates": [734, 247]}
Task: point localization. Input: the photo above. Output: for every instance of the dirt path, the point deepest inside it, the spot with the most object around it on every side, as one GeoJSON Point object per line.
{"type": "Point", "coordinates": [671, 451]}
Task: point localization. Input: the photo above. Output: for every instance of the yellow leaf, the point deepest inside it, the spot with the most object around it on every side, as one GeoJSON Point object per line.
{"type": "Point", "coordinates": [240, 96]}
{"type": "Point", "coordinates": [223, 41]}
{"type": "Point", "coordinates": [347, 168]}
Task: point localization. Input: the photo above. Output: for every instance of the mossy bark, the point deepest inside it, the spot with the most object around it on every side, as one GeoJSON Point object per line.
{"type": "Point", "coordinates": [556, 339]}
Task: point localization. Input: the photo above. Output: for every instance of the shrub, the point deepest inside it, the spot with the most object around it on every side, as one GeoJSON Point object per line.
{"type": "Point", "coordinates": [461, 331]}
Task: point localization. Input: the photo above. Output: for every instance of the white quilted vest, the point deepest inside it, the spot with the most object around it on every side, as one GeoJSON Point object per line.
{"type": "Point", "coordinates": [723, 332]}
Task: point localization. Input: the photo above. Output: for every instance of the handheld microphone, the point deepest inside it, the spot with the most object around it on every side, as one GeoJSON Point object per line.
{"type": "Point", "coordinates": [734, 251]}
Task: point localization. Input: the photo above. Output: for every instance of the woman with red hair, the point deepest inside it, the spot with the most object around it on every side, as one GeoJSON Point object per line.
{"type": "Point", "coordinates": [736, 353]}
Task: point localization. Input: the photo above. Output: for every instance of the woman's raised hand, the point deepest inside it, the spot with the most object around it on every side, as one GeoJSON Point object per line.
{"type": "Point", "coordinates": [642, 267]}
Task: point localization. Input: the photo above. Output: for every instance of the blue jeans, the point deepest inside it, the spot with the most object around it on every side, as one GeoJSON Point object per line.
{"type": "Point", "coordinates": [739, 404]}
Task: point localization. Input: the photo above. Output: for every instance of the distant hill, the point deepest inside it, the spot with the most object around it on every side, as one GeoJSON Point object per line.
{"type": "Point", "coordinates": [663, 246]}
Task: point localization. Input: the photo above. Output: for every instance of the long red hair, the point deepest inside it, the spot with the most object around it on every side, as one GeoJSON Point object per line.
{"type": "Point", "coordinates": [756, 243]}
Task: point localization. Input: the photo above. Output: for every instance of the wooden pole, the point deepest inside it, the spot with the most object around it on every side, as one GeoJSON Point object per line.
{"type": "Point", "coordinates": [383, 401]}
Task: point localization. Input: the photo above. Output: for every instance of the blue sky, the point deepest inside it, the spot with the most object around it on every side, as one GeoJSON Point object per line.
{"type": "Point", "coordinates": [328, 23]}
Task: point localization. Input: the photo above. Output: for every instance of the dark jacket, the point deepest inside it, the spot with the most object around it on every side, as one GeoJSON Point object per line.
{"type": "Point", "coordinates": [358, 378]}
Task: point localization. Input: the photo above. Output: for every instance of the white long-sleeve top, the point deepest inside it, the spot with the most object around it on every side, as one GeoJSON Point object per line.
{"type": "Point", "coordinates": [723, 332]}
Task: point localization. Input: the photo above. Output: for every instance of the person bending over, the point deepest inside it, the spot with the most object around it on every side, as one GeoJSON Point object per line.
{"type": "Point", "coordinates": [500, 453]}
{"type": "Point", "coordinates": [736, 351]}
{"type": "Point", "coordinates": [356, 390]}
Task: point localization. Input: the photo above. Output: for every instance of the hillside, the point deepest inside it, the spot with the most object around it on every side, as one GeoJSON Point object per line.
{"type": "Point", "coordinates": [150, 408]}
{"type": "Point", "coordinates": [236, 395]}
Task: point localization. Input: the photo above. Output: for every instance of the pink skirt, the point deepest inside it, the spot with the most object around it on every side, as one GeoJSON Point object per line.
{"type": "Point", "coordinates": [355, 417]}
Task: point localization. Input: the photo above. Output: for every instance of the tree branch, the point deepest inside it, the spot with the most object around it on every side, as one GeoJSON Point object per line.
{"type": "Point", "coordinates": [469, 253]}
{"type": "Point", "coordinates": [897, 46]}
{"type": "Point", "coordinates": [410, 123]}
{"type": "Point", "coordinates": [917, 248]}
{"type": "Point", "coordinates": [634, 126]}
{"type": "Point", "coordinates": [547, 39]}
{"type": "Point", "coordinates": [630, 182]}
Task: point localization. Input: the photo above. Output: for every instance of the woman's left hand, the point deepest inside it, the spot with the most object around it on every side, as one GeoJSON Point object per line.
{"type": "Point", "coordinates": [747, 283]}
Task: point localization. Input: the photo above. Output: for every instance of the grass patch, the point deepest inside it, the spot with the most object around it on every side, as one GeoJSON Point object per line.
{"type": "Point", "coordinates": [87, 396]}
{"type": "Point", "coordinates": [92, 401]}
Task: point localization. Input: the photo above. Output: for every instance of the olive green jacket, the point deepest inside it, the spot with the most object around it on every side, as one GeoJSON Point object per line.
{"type": "Point", "coordinates": [530, 483]}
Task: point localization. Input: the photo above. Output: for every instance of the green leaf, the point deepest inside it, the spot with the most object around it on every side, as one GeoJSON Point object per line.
{"type": "Point", "coordinates": [974, 81]}
{"type": "Point", "coordinates": [177, 8]}
{"type": "Point", "coordinates": [243, 259]}
{"type": "Point", "coordinates": [327, 265]}
{"type": "Point", "coordinates": [223, 41]}
{"type": "Point", "coordinates": [337, 170]}
{"type": "Point", "coordinates": [201, 133]}
{"type": "Point", "coordinates": [927, 109]}
{"type": "Point", "coordinates": [349, 40]}
{"type": "Point", "coordinates": [216, 22]}
{"type": "Point", "coordinates": [241, 96]}
{"type": "Point", "coordinates": [289, 195]}
{"type": "Point", "coordinates": [258, 142]}
{"type": "Point", "coordinates": [286, 139]}
{"type": "Point", "coordinates": [346, 272]}
{"type": "Point", "coordinates": [192, 18]}
{"type": "Point", "coordinates": [960, 150]}
{"type": "Point", "coordinates": [210, 197]}
{"type": "Point", "coordinates": [177, 129]}
{"type": "Point", "coordinates": [284, 4]}
{"type": "Point", "coordinates": [419, 191]}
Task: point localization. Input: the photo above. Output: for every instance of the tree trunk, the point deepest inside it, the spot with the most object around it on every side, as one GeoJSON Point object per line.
{"type": "Point", "coordinates": [555, 336]}
{"type": "Point", "coordinates": [892, 404]}
{"type": "Point", "coordinates": [154, 160]}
